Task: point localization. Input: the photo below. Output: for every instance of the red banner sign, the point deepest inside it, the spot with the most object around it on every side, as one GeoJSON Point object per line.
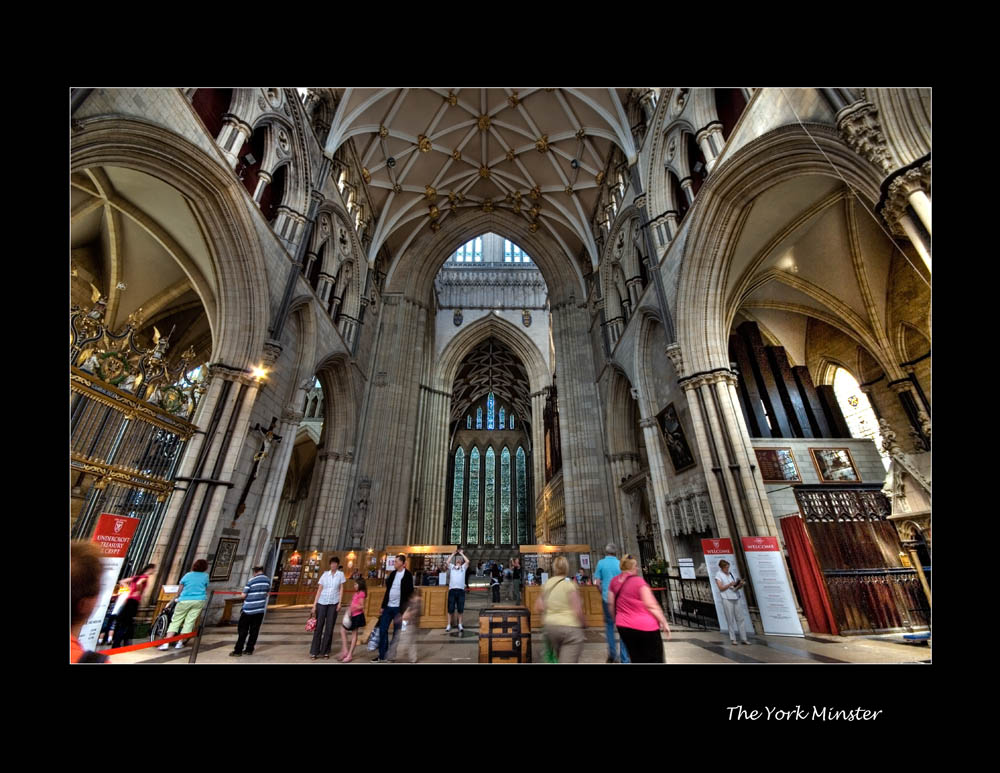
{"type": "Point", "coordinates": [760, 543]}
{"type": "Point", "coordinates": [114, 533]}
{"type": "Point", "coordinates": [714, 547]}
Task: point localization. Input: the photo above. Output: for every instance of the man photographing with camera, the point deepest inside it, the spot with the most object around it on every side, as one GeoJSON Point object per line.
{"type": "Point", "coordinates": [458, 565]}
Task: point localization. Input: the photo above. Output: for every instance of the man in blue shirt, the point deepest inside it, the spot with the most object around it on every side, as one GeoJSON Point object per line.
{"type": "Point", "coordinates": [254, 604]}
{"type": "Point", "coordinates": [607, 569]}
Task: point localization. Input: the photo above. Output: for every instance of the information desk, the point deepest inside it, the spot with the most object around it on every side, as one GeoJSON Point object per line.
{"type": "Point", "coordinates": [590, 597]}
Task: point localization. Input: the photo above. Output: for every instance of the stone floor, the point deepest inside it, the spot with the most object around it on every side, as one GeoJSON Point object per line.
{"type": "Point", "coordinates": [283, 639]}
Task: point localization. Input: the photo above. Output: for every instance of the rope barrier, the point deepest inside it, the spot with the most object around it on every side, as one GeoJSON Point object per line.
{"type": "Point", "coordinates": [146, 645]}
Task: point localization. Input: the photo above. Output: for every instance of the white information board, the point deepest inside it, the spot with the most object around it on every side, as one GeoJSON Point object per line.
{"type": "Point", "coordinates": [770, 586]}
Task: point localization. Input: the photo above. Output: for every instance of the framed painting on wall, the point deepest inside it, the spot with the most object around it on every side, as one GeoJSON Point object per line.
{"type": "Point", "coordinates": [835, 465]}
{"type": "Point", "coordinates": [225, 555]}
{"type": "Point", "coordinates": [677, 445]}
{"type": "Point", "coordinates": [777, 465]}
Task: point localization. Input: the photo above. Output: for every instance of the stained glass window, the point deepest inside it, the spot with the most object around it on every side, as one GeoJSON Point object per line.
{"type": "Point", "coordinates": [479, 418]}
{"type": "Point", "coordinates": [472, 523]}
{"type": "Point", "coordinates": [468, 421]}
{"type": "Point", "coordinates": [458, 498]}
{"type": "Point", "coordinates": [512, 421]}
{"type": "Point", "coordinates": [522, 496]}
{"type": "Point", "coordinates": [490, 403]}
{"type": "Point", "coordinates": [857, 410]}
{"type": "Point", "coordinates": [489, 533]}
{"type": "Point", "coordinates": [503, 418]}
{"type": "Point", "coordinates": [505, 497]}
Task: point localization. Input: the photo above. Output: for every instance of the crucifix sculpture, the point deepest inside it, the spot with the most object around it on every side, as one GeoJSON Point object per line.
{"type": "Point", "coordinates": [267, 438]}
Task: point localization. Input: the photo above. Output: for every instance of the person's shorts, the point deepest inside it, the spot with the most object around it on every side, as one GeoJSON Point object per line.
{"type": "Point", "coordinates": [456, 599]}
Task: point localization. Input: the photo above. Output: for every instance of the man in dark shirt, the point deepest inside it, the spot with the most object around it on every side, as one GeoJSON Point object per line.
{"type": "Point", "coordinates": [516, 582]}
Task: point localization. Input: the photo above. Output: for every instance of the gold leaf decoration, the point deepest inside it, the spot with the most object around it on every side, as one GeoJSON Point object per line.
{"type": "Point", "coordinates": [456, 154]}
{"type": "Point", "coordinates": [451, 99]}
{"type": "Point", "coordinates": [542, 143]}
{"type": "Point", "coordinates": [511, 154]}
{"type": "Point", "coordinates": [366, 174]}
{"type": "Point", "coordinates": [581, 134]}
{"type": "Point", "coordinates": [435, 226]}
{"type": "Point", "coordinates": [488, 205]}
{"type": "Point", "coordinates": [397, 188]}
{"type": "Point", "coordinates": [569, 190]}
{"type": "Point", "coordinates": [429, 193]}
{"type": "Point", "coordinates": [434, 212]}
{"type": "Point", "coordinates": [600, 178]}
{"type": "Point", "coordinates": [484, 172]}
{"type": "Point", "coordinates": [513, 100]}
{"type": "Point", "coordinates": [533, 227]}
{"type": "Point", "coordinates": [483, 123]}
{"type": "Point", "coordinates": [383, 131]}
{"type": "Point", "coordinates": [535, 193]}
{"type": "Point", "coordinates": [423, 143]}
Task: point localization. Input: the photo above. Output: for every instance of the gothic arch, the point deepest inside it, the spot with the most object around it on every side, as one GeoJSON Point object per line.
{"type": "Point", "coordinates": [297, 183]}
{"type": "Point", "coordinates": [622, 415]}
{"type": "Point", "coordinates": [340, 403]}
{"type": "Point", "coordinates": [778, 156]}
{"type": "Point", "coordinates": [451, 358]}
{"type": "Point", "coordinates": [414, 271]}
{"type": "Point", "coordinates": [241, 284]}
{"type": "Point", "coordinates": [644, 350]}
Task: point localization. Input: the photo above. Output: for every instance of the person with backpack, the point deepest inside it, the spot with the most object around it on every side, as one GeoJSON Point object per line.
{"type": "Point", "coordinates": [636, 614]}
{"type": "Point", "coordinates": [563, 620]}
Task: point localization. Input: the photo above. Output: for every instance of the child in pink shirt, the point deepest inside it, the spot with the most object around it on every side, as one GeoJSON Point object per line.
{"type": "Point", "coordinates": [357, 613]}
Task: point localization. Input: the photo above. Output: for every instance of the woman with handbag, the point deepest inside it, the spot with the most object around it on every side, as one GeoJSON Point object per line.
{"type": "Point", "coordinates": [637, 615]}
{"type": "Point", "coordinates": [324, 609]}
{"type": "Point", "coordinates": [354, 621]}
{"type": "Point", "coordinates": [563, 620]}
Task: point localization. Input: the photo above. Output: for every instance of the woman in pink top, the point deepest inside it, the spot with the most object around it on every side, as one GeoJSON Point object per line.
{"type": "Point", "coordinates": [357, 613]}
{"type": "Point", "coordinates": [124, 626]}
{"type": "Point", "coordinates": [637, 615]}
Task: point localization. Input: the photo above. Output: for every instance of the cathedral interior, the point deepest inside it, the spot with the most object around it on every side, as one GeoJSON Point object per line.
{"type": "Point", "coordinates": [343, 319]}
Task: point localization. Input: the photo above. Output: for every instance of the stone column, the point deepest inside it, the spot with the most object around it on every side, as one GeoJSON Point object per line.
{"type": "Point", "coordinates": [634, 286]}
{"type": "Point", "coordinates": [263, 180]}
{"type": "Point", "coordinates": [711, 142]}
{"type": "Point", "coordinates": [587, 498]}
{"type": "Point", "coordinates": [324, 286]}
{"type": "Point", "coordinates": [538, 438]}
{"type": "Point", "coordinates": [270, 499]}
{"type": "Point", "coordinates": [687, 185]}
{"type": "Point", "coordinates": [232, 137]}
{"type": "Point", "coordinates": [658, 483]}
{"type": "Point", "coordinates": [225, 408]}
{"type": "Point", "coordinates": [431, 472]}
{"type": "Point", "coordinates": [330, 478]}
{"type": "Point", "coordinates": [390, 421]}
{"type": "Point", "coordinates": [623, 466]}
{"type": "Point", "coordinates": [311, 257]}
{"type": "Point", "coordinates": [910, 189]}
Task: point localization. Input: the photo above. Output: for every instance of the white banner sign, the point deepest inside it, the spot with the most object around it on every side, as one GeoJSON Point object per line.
{"type": "Point", "coordinates": [585, 560]}
{"type": "Point", "coordinates": [686, 565]}
{"type": "Point", "coordinates": [770, 586]}
{"type": "Point", "coordinates": [113, 535]}
{"type": "Point", "coordinates": [717, 550]}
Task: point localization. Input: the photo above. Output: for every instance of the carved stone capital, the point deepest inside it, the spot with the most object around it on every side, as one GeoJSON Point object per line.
{"type": "Point", "coordinates": [640, 201]}
{"type": "Point", "coordinates": [270, 353]}
{"type": "Point", "coordinates": [898, 195]}
{"type": "Point", "coordinates": [648, 422]}
{"type": "Point", "coordinates": [673, 351]}
{"type": "Point", "coordinates": [292, 417]}
{"type": "Point", "coordinates": [859, 127]}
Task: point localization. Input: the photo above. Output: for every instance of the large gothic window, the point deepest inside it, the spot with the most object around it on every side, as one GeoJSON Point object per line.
{"type": "Point", "coordinates": [472, 523]}
{"type": "Point", "coordinates": [503, 423]}
{"type": "Point", "coordinates": [505, 497]}
{"type": "Point", "coordinates": [490, 403]}
{"type": "Point", "coordinates": [857, 410]}
{"type": "Point", "coordinates": [479, 418]}
{"type": "Point", "coordinates": [522, 497]}
{"type": "Point", "coordinates": [457, 497]}
{"type": "Point", "coordinates": [489, 530]}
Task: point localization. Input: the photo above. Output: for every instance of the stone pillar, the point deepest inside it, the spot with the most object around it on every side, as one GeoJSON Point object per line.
{"type": "Point", "coordinates": [328, 500]}
{"type": "Point", "coordinates": [390, 420]}
{"type": "Point", "coordinates": [687, 185]}
{"type": "Point", "coordinates": [270, 499]}
{"type": "Point", "coordinates": [658, 483]}
{"type": "Point", "coordinates": [311, 257]}
{"type": "Point", "coordinates": [225, 408]}
{"type": "Point", "coordinates": [324, 286]}
{"type": "Point", "coordinates": [910, 189]}
{"type": "Point", "coordinates": [538, 438]}
{"type": "Point", "coordinates": [920, 422]}
{"type": "Point", "coordinates": [431, 472]}
{"type": "Point", "coordinates": [623, 466]}
{"type": "Point", "coordinates": [232, 137]}
{"type": "Point", "coordinates": [588, 501]}
{"type": "Point", "coordinates": [634, 287]}
{"type": "Point", "coordinates": [711, 142]}
{"type": "Point", "coordinates": [263, 180]}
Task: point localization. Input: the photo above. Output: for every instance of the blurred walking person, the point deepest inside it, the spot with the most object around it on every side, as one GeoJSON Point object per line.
{"type": "Point", "coordinates": [85, 586]}
{"type": "Point", "coordinates": [125, 625]}
{"type": "Point", "coordinates": [607, 569]}
{"type": "Point", "coordinates": [563, 620]}
{"type": "Point", "coordinates": [637, 615]}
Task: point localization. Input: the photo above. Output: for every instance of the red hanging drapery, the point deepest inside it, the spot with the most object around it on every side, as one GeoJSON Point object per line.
{"type": "Point", "coordinates": [815, 602]}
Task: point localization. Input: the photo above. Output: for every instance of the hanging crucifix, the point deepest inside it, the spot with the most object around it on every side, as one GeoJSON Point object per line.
{"type": "Point", "coordinates": [267, 438]}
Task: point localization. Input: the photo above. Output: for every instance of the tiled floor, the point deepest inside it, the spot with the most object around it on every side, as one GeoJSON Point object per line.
{"type": "Point", "coordinates": [284, 640]}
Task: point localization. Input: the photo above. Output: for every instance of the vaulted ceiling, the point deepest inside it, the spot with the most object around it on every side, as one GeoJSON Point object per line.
{"type": "Point", "coordinates": [430, 154]}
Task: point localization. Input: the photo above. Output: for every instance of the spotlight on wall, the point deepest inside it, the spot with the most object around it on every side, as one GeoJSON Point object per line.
{"type": "Point", "coordinates": [250, 159]}
{"type": "Point", "coordinates": [390, 162]}
{"type": "Point", "coordinates": [575, 164]}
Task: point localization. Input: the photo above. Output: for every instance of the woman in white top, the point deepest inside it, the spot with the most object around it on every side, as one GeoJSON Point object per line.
{"type": "Point", "coordinates": [324, 609]}
{"type": "Point", "coordinates": [729, 589]}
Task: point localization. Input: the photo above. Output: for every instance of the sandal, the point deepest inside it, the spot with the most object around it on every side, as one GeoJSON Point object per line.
{"type": "Point", "coordinates": [348, 659]}
{"type": "Point", "coordinates": [313, 657]}
{"type": "Point", "coordinates": [326, 656]}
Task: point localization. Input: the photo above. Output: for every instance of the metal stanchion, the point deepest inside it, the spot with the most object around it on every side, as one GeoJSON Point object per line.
{"type": "Point", "coordinates": [201, 627]}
